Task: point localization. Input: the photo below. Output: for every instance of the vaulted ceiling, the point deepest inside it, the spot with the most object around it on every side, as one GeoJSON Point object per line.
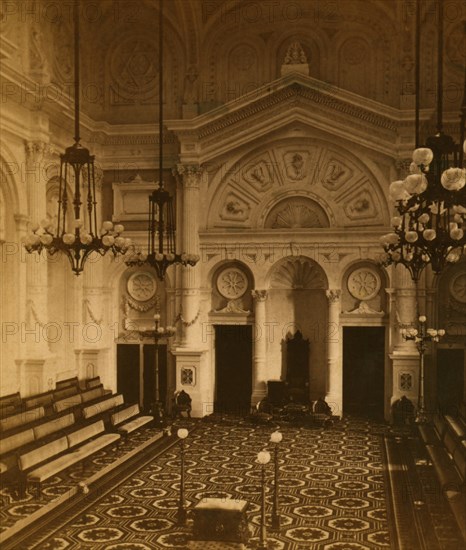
{"type": "Point", "coordinates": [218, 50]}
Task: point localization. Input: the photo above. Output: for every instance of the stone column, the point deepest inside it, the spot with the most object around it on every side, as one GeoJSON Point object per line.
{"type": "Point", "coordinates": [259, 383]}
{"type": "Point", "coordinates": [36, 366]}
{"type": "Point", "coordinates": [191, 280]}
{"type": "Point", "coordinates": [334, 395]}
{"type": "Point", "coordinates": [404, 355]}
{"type": "Point", "coordinates": [36, 266]}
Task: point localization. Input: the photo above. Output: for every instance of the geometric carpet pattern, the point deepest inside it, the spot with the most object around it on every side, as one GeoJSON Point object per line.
{"type": "Point", "coordinates": [332, 491]}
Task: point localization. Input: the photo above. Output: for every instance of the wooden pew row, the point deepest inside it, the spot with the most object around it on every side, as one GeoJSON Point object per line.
{"type": "Point", "coordinates": [41, 426]}
{"type": "Point", "coordinates": [9, 404]}
{"type": "Point", "coordinates": [40, 464]}
{"type": "Point", "coordinates": [60, 384]}
{"type": "Point", "coordinates": [129, 419]}
{"type": "Point", "coordinates": [446, 447]}
{"type": "Point", "coordinates": [26, 418]}
{"type": "Point", "coordinates": [29, 438]}
{"type": "Point", "coordinates": [21, 419]}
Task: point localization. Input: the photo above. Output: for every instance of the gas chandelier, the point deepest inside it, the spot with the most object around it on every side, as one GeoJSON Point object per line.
{"type": "Point", "coordinates": [75, 233]}
{"type": "Point", "coordinates": [429, 227]}
{"type": "Point", "coordinates": [161, 232]}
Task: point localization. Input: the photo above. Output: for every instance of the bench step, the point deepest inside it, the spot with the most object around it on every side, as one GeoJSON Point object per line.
{"type": "Point", "coordinates": [133, 425]}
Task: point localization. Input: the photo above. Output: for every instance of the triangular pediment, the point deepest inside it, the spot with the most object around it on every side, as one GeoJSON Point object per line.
{"type": "Point", "coordinates": [294, 98]}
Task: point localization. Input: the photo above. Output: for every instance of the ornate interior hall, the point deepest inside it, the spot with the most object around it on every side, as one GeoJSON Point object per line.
{"type": "Point", "coordinates": [212, 219]}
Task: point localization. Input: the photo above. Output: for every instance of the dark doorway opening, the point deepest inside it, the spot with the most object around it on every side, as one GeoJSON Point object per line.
{"type": "Point", "coordinates": [363, 371]}
{"type": "Point", "coordinates": [137, 389]}
{"type": "Point", "coordinates": [128, 372]}
{"type": "Point", "coordinates": [450, 379]}
{"type": "Point", "coordinates": [149, 375]}
{"type": "Point", "coordinates": [233, 368]}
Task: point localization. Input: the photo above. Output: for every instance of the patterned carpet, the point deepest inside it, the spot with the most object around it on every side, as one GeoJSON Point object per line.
{"type": "Point", "coordinates": [331, 481]}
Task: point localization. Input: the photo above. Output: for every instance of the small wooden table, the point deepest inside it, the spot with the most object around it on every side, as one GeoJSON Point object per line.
{"type": "Point", "coordinates": [219, 520]}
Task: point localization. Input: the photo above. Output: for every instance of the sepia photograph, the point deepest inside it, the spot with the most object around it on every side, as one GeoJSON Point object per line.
{"type": "Point", "coordinates": [233, 274]}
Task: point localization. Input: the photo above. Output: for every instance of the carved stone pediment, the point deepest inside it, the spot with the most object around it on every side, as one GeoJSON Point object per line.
{"type": "Point", "coordinates": [285, 99]}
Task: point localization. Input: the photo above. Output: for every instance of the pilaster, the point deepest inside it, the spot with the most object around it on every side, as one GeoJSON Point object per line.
{"type": "Point", "coordinates": [334, 396]}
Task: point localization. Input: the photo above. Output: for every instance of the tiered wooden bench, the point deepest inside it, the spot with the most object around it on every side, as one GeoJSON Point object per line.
{"type": "Point", "coordinates": [40, 464]}
{"type": "Point", "coordinates": [60, 384]}
{"type": "Point", "coordinates": [128, 419]}
{"type": "Point", "coordinates": [103, 408]}
{"type": "Point", "coordinates": [446, 447]}
{"type": "Point", "coordinates": [11, 444]}
{"type": "Point", "coordinates": [9, 404]}
{"type": "Point", "coordinates": [21, 419]}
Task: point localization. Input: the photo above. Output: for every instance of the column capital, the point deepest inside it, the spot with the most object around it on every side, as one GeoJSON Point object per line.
{"type": "Point", "coordinates": [259, 295]}
{"type": "Point", "coordinates": [36, 150]}
{"type": "Point", "coordinates": [333, 295]}
{"type": "Point", "coordinates": [190, 173]}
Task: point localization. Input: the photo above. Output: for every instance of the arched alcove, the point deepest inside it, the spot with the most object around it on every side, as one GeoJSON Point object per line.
{"type": "Point", "coordinates": [297, 303]}
{"type": "Point", "coordinates": [296, 213]}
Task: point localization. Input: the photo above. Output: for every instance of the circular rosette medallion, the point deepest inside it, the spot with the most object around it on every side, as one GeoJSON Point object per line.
{"type": "Point", "coordinates": [141, 286]}
{"type": "Point", "coordinates": [232, 283]}
{"type": "Point", "coordinates": [458, 287]}
{"type": "Point", "coordinates": [364, 283]}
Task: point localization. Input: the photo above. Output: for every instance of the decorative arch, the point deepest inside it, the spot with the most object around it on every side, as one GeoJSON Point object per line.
{"type": "Point", "coordinates": [297, 273]}
{"type": "Point", "coordinates": [296, 213]}
{"type": "Point", "coordinates": [334, 178]}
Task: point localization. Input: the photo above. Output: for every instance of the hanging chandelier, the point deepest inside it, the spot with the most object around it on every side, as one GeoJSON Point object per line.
{"type": "Point", "coordinates": [75, 232]}
{"type": "Point", "coordinates": [429, 227]}
{"type": "Point", "coordinates": [161, 250]}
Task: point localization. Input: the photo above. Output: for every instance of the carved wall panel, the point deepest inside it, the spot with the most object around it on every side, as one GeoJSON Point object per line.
{"type": "Point", "coordinates": [235, 208]}
{"type": "Point", "coordinates": [297, 165]}
{"type": "Point", "coordinates": [63, 64]}
{"type": "Point", "coordinates": [260, 173]}
{"type": "Point", "coordinates": [243, 71]}
{"type": "Point", "coordinates": [356, 65]}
